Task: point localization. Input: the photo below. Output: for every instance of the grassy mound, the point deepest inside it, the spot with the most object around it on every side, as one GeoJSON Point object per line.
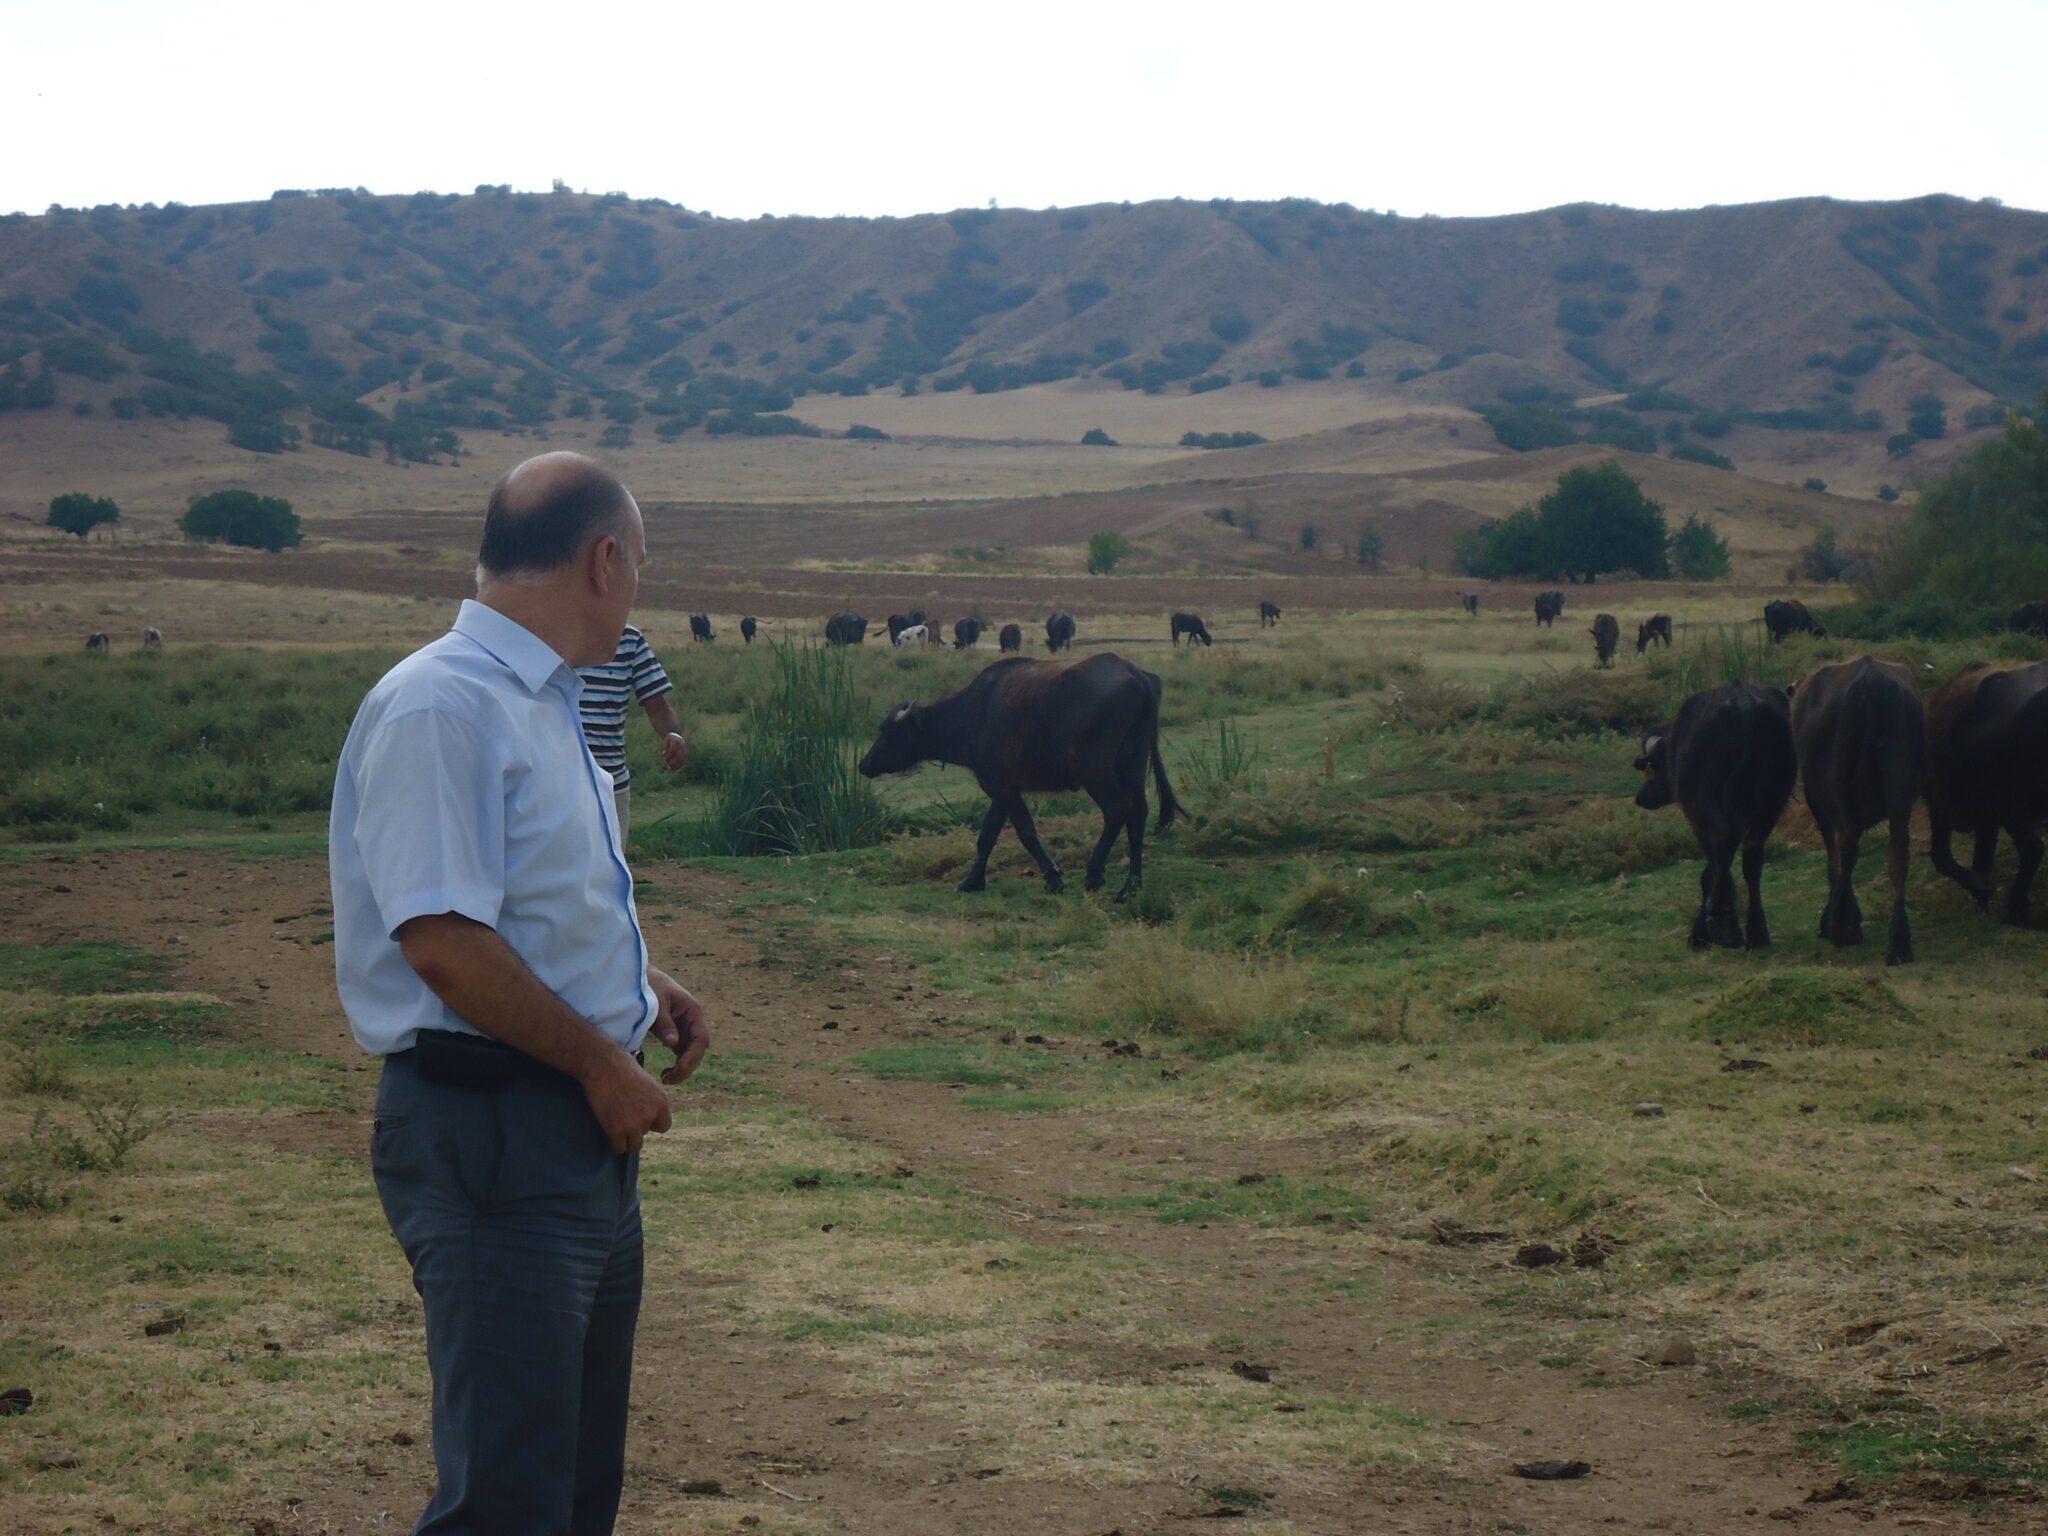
{"type": "Point", "coordinates": [1808, 1006]}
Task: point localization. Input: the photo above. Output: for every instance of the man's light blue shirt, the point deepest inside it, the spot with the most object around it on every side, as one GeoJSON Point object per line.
{"type": "Point", "coordinates": [465, 786]}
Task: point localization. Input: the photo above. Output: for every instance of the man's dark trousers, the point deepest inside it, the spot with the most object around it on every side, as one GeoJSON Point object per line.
{"type": "Point", "coordinates": [522, 1227]}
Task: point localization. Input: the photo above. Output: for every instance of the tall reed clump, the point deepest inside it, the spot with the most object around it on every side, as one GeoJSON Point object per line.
{"type": "Point", "coordinates": [793, 785]}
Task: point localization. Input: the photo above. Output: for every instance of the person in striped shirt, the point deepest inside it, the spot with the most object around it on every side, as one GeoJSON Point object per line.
{"type": "Point", "coordinates": [633, 672]}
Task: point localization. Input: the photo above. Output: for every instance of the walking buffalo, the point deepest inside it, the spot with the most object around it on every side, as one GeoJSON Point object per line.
{"type": "Point", "coordinates": [846, 629]}
{"type": "Point", "coordinates": [1656, 627]}
{"type": "Point", "coordinates": [1549, 607]}
{"type": "Point", "coordinates": [1029, 727]}
{"type": "Point", "coordinates": [1606, 633]}
{"type": "Point", "coordinates": [1011, 638]}
{"type": "Point", "coordinates": [1269, 614]}
{"type": "Point", "coordinates": [1784, 616]}
{"type": "Point", "coordinates": [1470, 602]}
{"type": "Point", "coordinates": [1987, 770]}
{"type": "Point", "coordinates": [967, 633]}
{"type": "Point", "coordinates": [748, 629]}
{"type": "Point", "coordinates": [1862, 740]}
{"type": "Point", "coordinates": [700, 626]}
{"type": "Point", "coordinates": [1728, 764]}
{"type": "Point", "coordinates": [1059, 631]}
{"type": "Point", "coordinates": [1191, 625]}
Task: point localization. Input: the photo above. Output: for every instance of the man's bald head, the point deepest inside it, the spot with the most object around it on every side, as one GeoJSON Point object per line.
{"type": "Point", "coordinates": [545, 512]}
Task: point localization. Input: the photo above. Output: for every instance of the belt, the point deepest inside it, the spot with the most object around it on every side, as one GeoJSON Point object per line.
{"type": "Point", "coordinates": [476, 1061]}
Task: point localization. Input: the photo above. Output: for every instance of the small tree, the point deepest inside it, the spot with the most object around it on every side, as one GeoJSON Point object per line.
{"type": "Point", "coordinates": [1105, 550]}
{"type": "Point", "coordinates": [1599, 520]}
{"type": "Point", "coordinates": [1372, 548]}
{"type": "Point", "coordinates": [1309, 536]}
{"type": "Point", "coordinates": [1697, 552]}
{"type": "Point", "coordinates": [1823, 559]}
{"type": "Point", "coordinates": [1887, 493]}
{"type": "Point", "coordinates": [1095, 437]}
{"type": "Point", "coordinates": [1815, 483]}
{"type": "Point", "coordinates": [76, 512]}
{"type": "Point", "coordinates": [242, 518]}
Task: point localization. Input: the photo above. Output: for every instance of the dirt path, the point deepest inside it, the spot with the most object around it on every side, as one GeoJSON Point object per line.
{"type": "Point", "coordinates": [749, 1409]}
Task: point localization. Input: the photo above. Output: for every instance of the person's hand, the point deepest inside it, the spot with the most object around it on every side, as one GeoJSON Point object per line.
{"type": "Point", "coordinates": [674, 751]}
{"type": "Point", "coordinates": [678, 1024]}
{"type": "Point", "coordinates": [628, 1103]}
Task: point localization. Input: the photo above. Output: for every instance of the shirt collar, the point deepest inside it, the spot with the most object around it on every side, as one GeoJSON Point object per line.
{"type": "Point", "coordinates": [528, 657]}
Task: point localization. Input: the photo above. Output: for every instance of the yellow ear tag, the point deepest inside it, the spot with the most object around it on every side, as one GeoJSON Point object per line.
{"type": "Point", "coordinates": [1649, 772]}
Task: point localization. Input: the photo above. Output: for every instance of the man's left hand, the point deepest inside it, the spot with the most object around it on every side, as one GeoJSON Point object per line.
{"type": "Point", "coordinates": [674, 753]}
{"type": "Point", "coordinates": [678, 1022]}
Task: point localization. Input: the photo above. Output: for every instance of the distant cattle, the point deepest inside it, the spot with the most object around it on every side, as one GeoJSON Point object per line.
{"type": "Point", "coordinates": [1029, 727]}
{"type": "Point", "coordinates": [1606, 633]}
{"type": "Point", "coordinates": [1269, 614]}
{"type": "Point", "coordinates": [899, 622]}
{"type": "Point", "coordinates": [700, 626]}
{"type": "Point", "coordinates": [2031, 619]}
{"type": "Point", "coordinates": [1861, 735]}
{"type": "Point", "coordinates": [748, 629]}
{"type": "Point", "coordinates": [1191, 625]}
{"type": "Point", "coordinates": [910, 634]}
{"type": "Point", "coordinates": [1987, 770]}
{"type": "Point", "coordinates": [1011, 638]}
{"type": "Point", "coordinates": [846, 629]}
{"type": "Point", "coordinates": [1549, 607]}
{"type": "Point", "coordinates": [1470, 602]}
{"type": "Point", "coordinates": [967, 633]}
{"type": "Point", "coordinates": [1728, 764]}
{"type": "Point", "coordinates": [1059, 631]}
{"type": "Point", "coordinates": [1784, 616]}
{"type": "Point", "coordinates": [152, 638]}
{"type": "Point", "coordinates": [99, 642]}
{"type": "Point", "coordinates": [1656, 627]}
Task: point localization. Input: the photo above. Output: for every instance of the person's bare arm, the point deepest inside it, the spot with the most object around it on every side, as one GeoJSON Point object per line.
{"type": "Point", "coordinates": [484, 982]}
{"type": "Point", "coordinates": [668, 730]}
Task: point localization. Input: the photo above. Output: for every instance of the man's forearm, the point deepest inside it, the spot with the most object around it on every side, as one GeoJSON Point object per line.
{"type": "Point", "coordinates": [485, 984]}
{"type": "Point", "coordinates": [661, 714]}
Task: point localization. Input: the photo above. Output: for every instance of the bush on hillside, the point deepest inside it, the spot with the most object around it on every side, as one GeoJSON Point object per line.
{"type": "Point", "coordinates": [1105, 552]}
{"type": "Point", "coordinates": [1698, 553]}
{"type": "Point", "coordinates": [1095, 437]}
{"type": "Point", "coordinates": [77, 513]}
{"type": "Point", "coordinates": [1696, 453]}
{"type": "Point", "coordinates": [1220, 439]}
{"type": "Point", "coordinates": [241, 518]}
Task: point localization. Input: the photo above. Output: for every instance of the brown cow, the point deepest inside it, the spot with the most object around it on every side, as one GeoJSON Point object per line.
{"type": "Point", "coordinates": [1862, 739]}
{"type": "Point", "coordinates": [1987, 769]}
{"type": "Point", "coordinates": [1656, 627]}
{"type": "Point", "coordinates": [1606, 633]}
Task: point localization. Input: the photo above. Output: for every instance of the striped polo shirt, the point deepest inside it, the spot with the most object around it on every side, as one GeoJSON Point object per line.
{"type": "Point", "coordinates": [634, 672]}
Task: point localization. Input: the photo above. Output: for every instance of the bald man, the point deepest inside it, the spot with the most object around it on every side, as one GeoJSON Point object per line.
{"type": "Point", "coordinates": [487, 948]}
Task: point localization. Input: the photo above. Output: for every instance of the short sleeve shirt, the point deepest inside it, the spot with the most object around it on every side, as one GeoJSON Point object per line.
{"type": "Point", "coordinates": [634, 672]}
{"type": "Point", "coordinates": [465, 786]}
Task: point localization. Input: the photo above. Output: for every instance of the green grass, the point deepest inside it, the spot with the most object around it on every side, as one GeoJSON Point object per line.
{"type": "Point", "coordinates": [1883, 1443]}
{"type": "Point", "coordinates": [77, 970]}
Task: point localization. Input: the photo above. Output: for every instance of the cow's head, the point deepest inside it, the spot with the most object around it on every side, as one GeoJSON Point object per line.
{"type": "Point", "coordinates": [898, 745]}
{"type": "Point", "coordinates": [1654, 764]}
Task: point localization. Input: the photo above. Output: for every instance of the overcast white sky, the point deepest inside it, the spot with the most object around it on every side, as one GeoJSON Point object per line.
{"type": "Point", "coordinates": [899, 106]}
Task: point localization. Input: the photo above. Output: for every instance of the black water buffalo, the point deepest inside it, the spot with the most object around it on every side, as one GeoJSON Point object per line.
{"type": "Point", "coordinates": [1011, 638]}
{"type": "Point", "coordinates": [1987, 769]}
{"type": "Point", "coordinates": [1862, 739]}
{"type": "Point", "coordinates": [748, 629]}
{"type": "Point", "coordinates": [897, 622]}
{"type": "Point", "coordinates": [2030, 619]}
{"type": "Point", "coordinates": [1656, 627]}
{"type": "Point", "coordinates": [846, 629]}
{"type": "Point", "coordinates": [1728, 764]}
{"type": "Point", "coordinates": [99, 642]}
{"type": "Point", "coordinates": [1269, 614]}
{"type": "Point", "coordinates": [1028, 727]}
{"type": "Point", "coordinates": [700, 626]}
{"type": "Point", "coordinates": [152, 638]}
{"type": "Point", "coordinates": [1059, 631]}
{"type": "Point", "coordinates": [1549, 606]}
{"type": "Point", "coordinates": [1785, 616]}
{"type": "Point", "coordinates": [1470, 602]}
{"type": "Point", "coordinates": [967, 633]}
{"type": "Point", "coordinates": [1191, 625]}
{"type": "Point", "coordinates": [1606, 633]}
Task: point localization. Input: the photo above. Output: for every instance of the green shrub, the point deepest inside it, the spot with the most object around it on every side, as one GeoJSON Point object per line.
{"type": "Point", "coordinates": [77, 513]}
{"type": "Point", "coordinates": [1695, 453]}
{"type": "Point", "coordinates": [1095, 437]}
{"type": "Point", "coordinates": [1698, 553]}
{"type": "Point", "coordinates": [242, 518]}
{"type": "Point", "coordinates": [1106, 551]}
{"type": "Point", "coordinates": [1220, 439]}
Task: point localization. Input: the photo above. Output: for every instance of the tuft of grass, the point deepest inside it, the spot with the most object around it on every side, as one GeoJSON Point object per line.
{"type": "Point", "coordinates": [1882, 1443]}
{"type": "Point", "coordinates": [39, 1074]}
{"type": "Point", "coordinates": [1212, 768]}
{"type": "Point", "coordinates": [1152, 982]}
{"type": "Point", "coordinates": [1327, 904]}
{"type": "Point", "coordinates": [1807, 1006]}
{"type": "Point", "coordinates": [1600, 840]}
{"type": "Point", "coordinates": [78, 970]}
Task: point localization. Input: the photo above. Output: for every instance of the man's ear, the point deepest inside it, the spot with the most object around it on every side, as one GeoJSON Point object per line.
{"type": "Point", "coordinates": [600, 558]}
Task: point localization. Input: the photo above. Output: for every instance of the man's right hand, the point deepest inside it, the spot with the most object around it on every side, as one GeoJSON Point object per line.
{"type": "Point", "coordinates": [628, 1103]}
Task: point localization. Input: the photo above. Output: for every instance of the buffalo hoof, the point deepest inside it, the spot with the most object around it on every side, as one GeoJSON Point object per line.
{"type": "Point", "coordinates": [1055, 883]}
{"type": "Point", "coordinates": [1093, 882]}
{"type": "Point", "coordinates": [973, 882]}
{"type": "Point", "coordinates": [1758, 937]}
{"type": "Point", "coordinates": [1899, 954]}
{"type": "Point", "coordinates": [1125, 892]}
{"type": "Point", "coordinates": [2017, 909]}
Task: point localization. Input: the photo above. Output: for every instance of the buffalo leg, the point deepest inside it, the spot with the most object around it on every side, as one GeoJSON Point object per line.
{"type": "Point", "coordinates": [1134, 832]}
{"type": "Point", "coordinates": [1112, 823]}
{"type": "Point", "coordinates": [1898, 862]}
{"type": "Point", "coordinates": [976, 879]}
{"type": "Point", "coordinates": [1941, 848]}
{"type": "Point", "coordinates": [1726, 932]}
{"type": "Point", "coordinates": [2028, 841]}
{"type": "Point", "coordinates": [1827, 908]}
{"type": "Point", "coordinates": [1027, 834]}
{"type": "Point", "coordinates": [1758, 934]}
{"type": "Point", "coordinates": [1848, 912]}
